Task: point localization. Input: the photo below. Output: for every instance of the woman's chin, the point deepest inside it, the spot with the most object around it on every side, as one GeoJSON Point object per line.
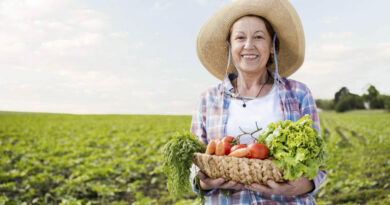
{"type": "Point", "coordinates": [252, 70]}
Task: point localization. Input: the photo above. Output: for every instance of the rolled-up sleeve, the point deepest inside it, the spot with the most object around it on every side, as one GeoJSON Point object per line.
{"type": "Point", "coordinates": [198, 121]}
{"type": "Point", "coordinates": [308, 107]}
{"type": "Point", "coordinates": [199, 130]}
{"type": "Point", "coordinates": [318, 180]}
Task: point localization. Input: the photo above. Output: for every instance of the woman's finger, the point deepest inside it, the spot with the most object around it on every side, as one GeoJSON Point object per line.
{"type": "Point", "coordinates": [259, 188]}
{"type": "Point", "coordinates": [214, 183]}
{"type": "Point", "coordinates": [207, 183]}
{"type": "Point", "coordinates": [228, 185]}
{"type": "Point", "coordinates": [238, 186]}
{"type": "Point", "coordinates": [273, 184]}
{"type": "Point", "coordinates": [282, 188]}
{"type": "Point", "coordinates": [201, 175]}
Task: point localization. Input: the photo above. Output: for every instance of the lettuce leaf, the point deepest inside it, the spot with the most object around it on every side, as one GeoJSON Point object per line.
{"type": "Point", "coordinates": [296, 147]}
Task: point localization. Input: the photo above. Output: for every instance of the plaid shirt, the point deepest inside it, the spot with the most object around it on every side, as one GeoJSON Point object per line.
{"type": "Point", "coordinates": [210, 120]}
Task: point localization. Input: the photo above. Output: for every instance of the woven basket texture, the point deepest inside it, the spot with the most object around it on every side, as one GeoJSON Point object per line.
{"type": "Point", "coordinates": [242, 170]}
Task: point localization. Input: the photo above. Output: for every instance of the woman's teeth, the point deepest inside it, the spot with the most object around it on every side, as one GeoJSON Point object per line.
{"type": "Point", "coordinates": [249, 56]}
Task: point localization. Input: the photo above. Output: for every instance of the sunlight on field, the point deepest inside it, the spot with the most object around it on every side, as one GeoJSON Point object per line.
{"type": "Point", "coordinates": [116, 159]}
{"type": "Point", "coordinates": [51, 158]}
{"type": "Point", "coordinates": [358, 147]}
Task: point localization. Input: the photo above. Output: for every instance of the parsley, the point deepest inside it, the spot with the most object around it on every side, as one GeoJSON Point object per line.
{"type": "Point", "coordinates": [177, 160]}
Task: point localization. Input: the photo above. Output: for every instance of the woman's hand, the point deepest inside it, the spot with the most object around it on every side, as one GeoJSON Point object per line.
{"type": "Point", "coordinates": [290, 188]}
{"type": "Point", "coordinates": [207, 183]}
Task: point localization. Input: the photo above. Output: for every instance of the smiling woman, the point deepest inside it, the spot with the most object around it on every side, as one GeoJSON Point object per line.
{"type": "Point", "coordinates": [268, 31]}
{"type": "Point", "coordinates": [253, 46]}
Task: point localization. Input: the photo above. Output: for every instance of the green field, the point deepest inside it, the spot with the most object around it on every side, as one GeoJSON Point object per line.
{"type": "Point", "coordinates": [358, 148]}
{"type": "Point", "coordinates": [116, 159]}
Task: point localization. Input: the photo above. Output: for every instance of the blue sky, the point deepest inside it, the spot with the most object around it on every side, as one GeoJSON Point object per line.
{"type": "Point", "coordinates": [136, 57]}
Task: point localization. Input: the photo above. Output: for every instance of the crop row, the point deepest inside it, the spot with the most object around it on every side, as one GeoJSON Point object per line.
{"type": "Point", "coordinates": [116, 159]}
{"type": "Point", "coordinates": [358, 149]}
{"type": "Point", "coordinates": [84, 159]}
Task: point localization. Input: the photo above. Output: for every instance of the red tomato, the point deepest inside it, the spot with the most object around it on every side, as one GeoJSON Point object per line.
{"type": "Point", "coordinates": [228, 143]}
{"type": "Point", "coordinates": [236, 147]}
{"type": "Point", "coordinates": [258, 151]}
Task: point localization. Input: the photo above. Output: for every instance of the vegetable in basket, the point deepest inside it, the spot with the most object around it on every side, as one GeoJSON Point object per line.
{"type": "Point", "coordinates": [177, 160]}
{"type": "Point", "coordinates": [295, 147]}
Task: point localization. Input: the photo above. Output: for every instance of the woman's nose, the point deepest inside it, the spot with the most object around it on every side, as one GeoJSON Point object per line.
{"type": "Point", "coordinates": [249, 43]}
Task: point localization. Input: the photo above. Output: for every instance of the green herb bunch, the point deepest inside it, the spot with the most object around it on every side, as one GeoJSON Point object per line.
{"type": "Point", "coordinates": [295, 146]}
{"type": "Point", "coordinates": [177, 160]}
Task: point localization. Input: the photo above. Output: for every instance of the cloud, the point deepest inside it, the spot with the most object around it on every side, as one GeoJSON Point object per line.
{"type": "Point", "coordinates": [217, 3]}
{"type": "Point", "coordinates": [22, 10]}
{"type": "Point", "coordinates": [119, 35]}
{"type": "Point", "coordinates": [81, 40]}
{"type": "Point", "coordinates": [328, 67]}
{"type": "Point", "coordinates": [40, 31]}
{"type": "Point", "coordinates": [333, 50]}
{"type": "Point", "coordinates": [161, 6]}
{"type": "Point", "coordinates": [63, 56]}
{"type": "Point", "coordinates": [88, 19]}
{"type": "Point", "coordinates": [96, 81]}
{"type": "Point", "coordinates": [202, 2]}
{"type": "Point", "coordinates": [336, 36]}
{"type": "Point", "coordinates": [330, 19]}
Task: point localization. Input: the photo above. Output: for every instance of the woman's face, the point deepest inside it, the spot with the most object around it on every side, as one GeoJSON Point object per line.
{"type": "Point", "coordinates": [251, 44]}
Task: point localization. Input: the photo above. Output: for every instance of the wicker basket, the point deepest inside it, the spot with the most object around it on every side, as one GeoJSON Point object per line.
{"type": "Point", "coordinates": [243, 170]}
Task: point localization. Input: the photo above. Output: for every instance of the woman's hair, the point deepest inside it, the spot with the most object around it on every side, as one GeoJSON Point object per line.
{"type": "Point", "coordinates": [271, 32]}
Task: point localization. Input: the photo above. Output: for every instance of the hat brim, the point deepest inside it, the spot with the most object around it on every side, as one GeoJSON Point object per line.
{"type": "Point", "coordinates": [212, 48]}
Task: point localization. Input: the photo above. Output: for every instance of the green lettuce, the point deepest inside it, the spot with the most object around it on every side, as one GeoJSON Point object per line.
{"type": "Point", "coordinates": [296, 147]}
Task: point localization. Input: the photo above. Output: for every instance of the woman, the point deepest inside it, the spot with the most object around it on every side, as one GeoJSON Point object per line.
{"type": "Point", "coordinates": [264, 40]}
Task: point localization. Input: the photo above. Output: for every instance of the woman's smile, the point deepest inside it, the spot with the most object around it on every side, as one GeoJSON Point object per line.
{"type": "Point", "coordinates": [249, 56]}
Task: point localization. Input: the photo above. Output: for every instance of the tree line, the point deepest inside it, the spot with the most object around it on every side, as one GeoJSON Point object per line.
{"type": "Point", "coordinates": [344, 100]}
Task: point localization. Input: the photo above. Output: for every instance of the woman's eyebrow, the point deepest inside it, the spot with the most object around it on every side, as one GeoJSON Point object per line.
{"type": "Point", "coordinates": [239, 32]}
{"type": "Point", "coordinates": [261, 31]}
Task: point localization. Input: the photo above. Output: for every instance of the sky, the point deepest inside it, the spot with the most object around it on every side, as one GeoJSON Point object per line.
{"type": "Point", "coordinates": [139, 57]}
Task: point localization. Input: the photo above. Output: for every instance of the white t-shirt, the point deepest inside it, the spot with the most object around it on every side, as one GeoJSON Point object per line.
{"type": "Point", "coordinates": [262, 110]}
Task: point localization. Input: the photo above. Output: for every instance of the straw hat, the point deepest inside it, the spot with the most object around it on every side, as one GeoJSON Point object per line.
{"type": "Point", "coordinates": [211, 43]}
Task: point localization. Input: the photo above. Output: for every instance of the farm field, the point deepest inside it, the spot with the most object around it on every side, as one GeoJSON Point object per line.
{"type": "Point", "coordinates": [116, 159]}
{"type": "Point", "coordinates": [358, 148]}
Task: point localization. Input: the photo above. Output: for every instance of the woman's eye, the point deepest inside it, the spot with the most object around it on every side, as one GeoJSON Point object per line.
{"type": "Point", "coordinates": [240, 37]}
{"type": "Point", "coordinates": [259, 37]}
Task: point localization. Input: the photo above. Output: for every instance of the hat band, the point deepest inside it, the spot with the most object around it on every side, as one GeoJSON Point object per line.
{"type": "Point", "coordinates": [275, 60]}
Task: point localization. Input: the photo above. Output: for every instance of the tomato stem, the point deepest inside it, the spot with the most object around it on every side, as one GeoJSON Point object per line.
{"type": "Point", "coordinates": [249, 133]}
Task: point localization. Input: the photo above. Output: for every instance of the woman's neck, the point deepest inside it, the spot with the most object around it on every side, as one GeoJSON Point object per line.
{"type": "Point", "coordinates": [251, 81]}
{"type": "Point", "coordinates": [252, 85]}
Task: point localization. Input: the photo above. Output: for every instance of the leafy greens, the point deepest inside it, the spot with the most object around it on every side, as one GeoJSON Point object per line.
{"type": "Point", "coordinates": [177, 160]}
{"type": "Point", "coordinates": [295, 147]}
